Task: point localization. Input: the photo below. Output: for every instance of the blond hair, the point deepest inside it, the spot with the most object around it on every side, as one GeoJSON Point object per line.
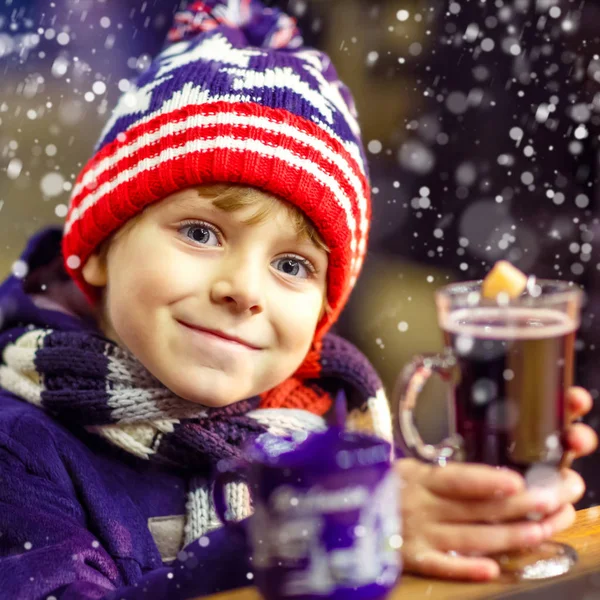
{"type": "Point", "coordinates": [231, 198]}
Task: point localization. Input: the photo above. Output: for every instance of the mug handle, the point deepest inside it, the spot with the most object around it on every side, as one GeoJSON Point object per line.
{"type": "Point", "coordinates": [227, 471]}
{"type": "Point", "coordinates": [407, 389]}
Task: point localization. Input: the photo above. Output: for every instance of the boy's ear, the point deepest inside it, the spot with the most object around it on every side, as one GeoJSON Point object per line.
{"type": "Point", "coordinates": [95, 271]}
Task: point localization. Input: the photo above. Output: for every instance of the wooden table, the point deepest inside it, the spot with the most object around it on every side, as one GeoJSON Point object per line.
{"type": "Point", "coordinates": [584, 536]}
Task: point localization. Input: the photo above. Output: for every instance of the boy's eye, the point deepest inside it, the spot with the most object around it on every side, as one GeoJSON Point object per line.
{"type": "Point", "coordinates": [294, 266]}
{"type": "Point", "coordinates": [201, 233]}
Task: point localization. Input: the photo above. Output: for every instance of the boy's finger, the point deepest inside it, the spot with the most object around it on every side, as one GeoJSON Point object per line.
{"type": "Point", "coordinates": [579, 402]}
{"type": "Point", "coordinates": [514, 508]}
{"type": "Point", "coordinates": [559, 521]}
{"type": "Point", "coordinates": [453, 541]}
{"type": "Point", "coordinates": [487, 539]}
{"type": "Point", "coordinates": [449, 510]}
{"type": "Point", "coordinates": [570, 490]}
{"type": "Point", "coordinates": [432, 563]}
{"type": "Point", "coordinates": [473, 482]}
{"type": "Point", "coordinates": [580, 439]}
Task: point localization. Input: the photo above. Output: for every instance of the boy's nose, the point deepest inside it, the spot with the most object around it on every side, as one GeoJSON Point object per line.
{"type": "Point", "coordinates": [241, 292]}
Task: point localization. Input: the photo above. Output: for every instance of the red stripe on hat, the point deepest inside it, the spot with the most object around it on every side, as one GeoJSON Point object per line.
{"type": "Point", "coordinates": [247, 109]}
{"type": "Point", "coordinates": [280, 140]}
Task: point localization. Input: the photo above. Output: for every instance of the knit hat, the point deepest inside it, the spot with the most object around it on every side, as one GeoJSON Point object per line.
{"type": "Point", "coordinates": [234, 97]}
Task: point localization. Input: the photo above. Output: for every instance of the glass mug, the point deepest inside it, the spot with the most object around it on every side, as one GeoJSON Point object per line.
{"type": "Point", "coordinates": [508, 365]}
{"type": "Point", "coordinates": [326, 523]}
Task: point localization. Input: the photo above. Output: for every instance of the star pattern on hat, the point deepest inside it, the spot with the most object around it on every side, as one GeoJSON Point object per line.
{"type": "Point", "coordinates": [281, 78]}
{"type": "Point", "coordinates": [215, 48]}
{"type": "Point", "coordinates": [212, 48]}
{"type": "Point", "coordinates": [135, 100]}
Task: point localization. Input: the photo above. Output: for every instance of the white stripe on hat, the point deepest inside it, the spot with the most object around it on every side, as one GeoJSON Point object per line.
{"type": "Point", "coordinates": [192, 94]}
{"type": "Point", "coordinates": [233, 118]}
{"type": "Point", "coordinates": [234, 144]}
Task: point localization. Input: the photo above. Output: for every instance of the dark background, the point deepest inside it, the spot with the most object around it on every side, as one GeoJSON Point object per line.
{"type": "Point", "coordinates": [481, 122]}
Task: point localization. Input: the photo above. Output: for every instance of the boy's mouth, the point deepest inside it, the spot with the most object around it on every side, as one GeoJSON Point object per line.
{"type": "Point", "coordinates": [220, 334]}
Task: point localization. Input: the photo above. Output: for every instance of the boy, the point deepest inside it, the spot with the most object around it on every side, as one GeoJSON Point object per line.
{"type": "Point", "coordinates": [210, 244]}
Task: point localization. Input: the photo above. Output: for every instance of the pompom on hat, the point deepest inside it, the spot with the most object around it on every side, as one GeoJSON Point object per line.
{"type": "Point", "coordinates": [234, 97]}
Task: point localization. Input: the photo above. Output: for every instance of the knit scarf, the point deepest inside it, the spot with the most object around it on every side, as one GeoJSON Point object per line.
{"type": "Point", "coordinates": [83, 379]}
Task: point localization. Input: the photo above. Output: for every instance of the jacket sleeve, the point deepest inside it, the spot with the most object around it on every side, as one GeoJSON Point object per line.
{"type": "Point", "coordinates": [46, 549]}
{"type": "Point", "coordinates": [220, 563]}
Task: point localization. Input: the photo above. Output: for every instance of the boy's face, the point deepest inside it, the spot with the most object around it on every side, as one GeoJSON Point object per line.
{"type": "Point", "coordinates": [216, 309]}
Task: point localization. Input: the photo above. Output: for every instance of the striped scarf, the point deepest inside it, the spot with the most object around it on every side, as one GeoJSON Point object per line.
{"type": "Point", "coordinates": [83, 379]}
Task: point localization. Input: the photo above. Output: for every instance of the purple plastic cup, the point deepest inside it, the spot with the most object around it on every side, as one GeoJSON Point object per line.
{"type": "Point", "coordinates": [326, 515]}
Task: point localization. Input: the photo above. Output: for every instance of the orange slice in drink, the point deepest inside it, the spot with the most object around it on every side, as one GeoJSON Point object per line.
{"type": "Point", "coordinates": [503, 279]}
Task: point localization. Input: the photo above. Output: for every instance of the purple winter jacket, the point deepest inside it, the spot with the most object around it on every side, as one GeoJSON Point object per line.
{"type": "Point", "coordinates": [74, 511]}
{"type": "Point", "coordinates": [80, 518]}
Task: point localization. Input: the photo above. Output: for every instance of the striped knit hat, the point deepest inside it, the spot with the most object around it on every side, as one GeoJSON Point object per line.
{"type": "Point", "coordinates": [234, 97]}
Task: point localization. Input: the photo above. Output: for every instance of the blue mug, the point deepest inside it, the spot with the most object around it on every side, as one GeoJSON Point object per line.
{"type": "Point", "coordinates": [326, 521]}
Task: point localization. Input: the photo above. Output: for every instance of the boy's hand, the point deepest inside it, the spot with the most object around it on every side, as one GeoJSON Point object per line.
{"type": "Point", "coordinates": [580, 439]}
{"type": "Point", "coordinates": [454, 516]}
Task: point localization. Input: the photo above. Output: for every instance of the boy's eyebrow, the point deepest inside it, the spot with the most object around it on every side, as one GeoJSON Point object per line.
{"type": "Point", "coordinates": [191, 203]}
